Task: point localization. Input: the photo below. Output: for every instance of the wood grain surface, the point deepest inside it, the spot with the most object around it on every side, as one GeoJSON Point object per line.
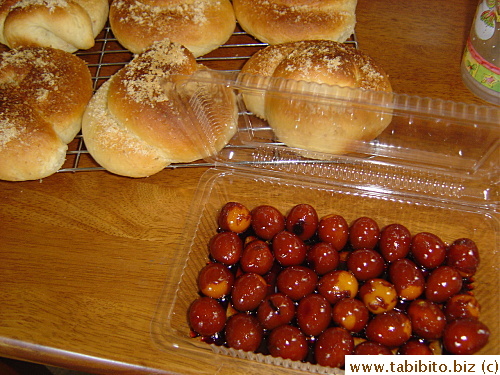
{"type": "Point", "coordinates": [85, 256]}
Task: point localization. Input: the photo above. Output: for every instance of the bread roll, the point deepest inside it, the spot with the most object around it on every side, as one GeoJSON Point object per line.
{"type": "Point", "coordinates": [68, 25]}
{"type": "Point", "coordinates": [259, 68]}
{"type": "Point", "coordinates": [200, 25]}
{"type": "Point", "coordinates": [137, 123]}
{"type": "Point", "coordinates": [301, 78]}
{"type": "Point", "coordinates": [283, 21]}
{"type": "Point", "coordinates": [43, 94]}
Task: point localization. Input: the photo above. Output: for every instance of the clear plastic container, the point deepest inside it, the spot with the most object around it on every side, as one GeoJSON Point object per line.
{"type": "Point", "coordinates": [435, 168]}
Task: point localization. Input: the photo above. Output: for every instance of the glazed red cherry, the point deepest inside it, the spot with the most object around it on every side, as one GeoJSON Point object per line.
{"type": "Point", "coordinates": [442, 283]}
{"type": "Point", "coordinates": [415, 347]}
{"type": "Point", "coordinates": [351, 314]}
{"type": "Point", "coordinates": [275, 310]}
{"type": "Point", "coordinates": [234, 217]}
{"type": "Point", "coordinates": [332, 346]}
{"type": "Point", "coordinates": [407, 278]}
{"type": "Point", "coordinates": [378, 295]}
{"type": "Point", "coordinates": [226, 247]}
{"type": "Point", "coordinates": [337, 285]}
{"type": "Point", "coordinates": [267, 221]}
{"type": "Point", "coordinates": [288, 342]}
{"type": "Point", "coordinates": [428, 250]}
{"type": "Point", "coordinates": [206, 316]}
{"type": "Point", "coordinates": [256, 257]}
{"type": "Point", "coordinates": [243, 332]}
{"type": "Point", "coordinates": [462, 306]}
{"type": "Point", "coordinates": [371, 348]}
{"type": "Point", "coordinates": [463, 255]}
{"type": "Point", "coordinates": [365, 264]}
{"type": "Point", "coordinates": [323, 258]}
{"type": "Point", "coordinates": [296, 282]}
{"type": "Point", "coordinates": [335, 230]}
{"type": "Point", "coordinates": [364, 233]}
{"type": "Point", "coordinates": [427, 319]}
{"type": "Point", "coordinates": [289, 249]}
{"type": "Point", "coordinates": [394, 242]}
{"type": "Point", "coordinates": [392, 329]}
{"type": "Point", "coordinates": [314, 314]}
{"type": "Point", "coordinates": [465, 336]}
{"type": "Point", "coordinates": [302, 220]}
{"type": "Point", "coordinates": [249, 290]}
{"type": "Point", "coordinates": [215, 280]}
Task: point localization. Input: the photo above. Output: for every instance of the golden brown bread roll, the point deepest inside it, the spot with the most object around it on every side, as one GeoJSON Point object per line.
{"type": "Point", "coordinates": [68, 25]}
{"type": "Point", "coordinates": [43, 94]}
{"type": "Point", "coordinates": [200, 25]}
{"type": "Point", "coordinates": [137, 124]}
{"type": "Point", "coordinates": [283, 21]}
{"type": "Point", "coordinates": [308, 121]}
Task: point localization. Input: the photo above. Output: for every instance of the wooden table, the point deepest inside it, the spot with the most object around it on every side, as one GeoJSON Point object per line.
{"type": "Point", "coordinates": [84, 256]}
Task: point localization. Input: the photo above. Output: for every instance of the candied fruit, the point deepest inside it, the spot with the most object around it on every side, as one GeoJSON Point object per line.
{"type": "Point", "coordinates": [308, 289]}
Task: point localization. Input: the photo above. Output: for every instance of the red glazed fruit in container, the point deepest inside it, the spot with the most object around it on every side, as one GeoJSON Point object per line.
{"type": "Point", "coordinates": [337, 285]}
{"type": "Point", "coordinates": [323, 258]}
{"type": "Point", "coordinates": [464, 256]}
{"type": "Point", "coordinates": [378, 295]}
{"type": "Point", "coordinates": [257, 257]}
{"type": "Point", "coordinates": [332, 346]}
{"type": "Point", "coordinates": [407, 278]}
{"type": "Point", "coordinates": [364, 233]}
{"type": "Point", "coordinates": [313, 314]}
{"type": "Point", "coordinates": [267, 221]}
{"type": "Point", "coordinates": [215, 280]}
{"type": "Point", "coordinates": [365, 264]}
{"type": "Point", "coordinates": [335, 230]}
{"type": "Point", "coordinates": [206, 316]}
{"type": "Point", "coordinates": [275, 310]}
{"type": "Point", "coordinates": [351, 314]}
{"type": "Point", "coordinates": [302, 220]}
{"type": "Point", "coordinates": [296, 282]}
{"type": "Point", "coordinates": [288, 342]}
{"type": "Point", "coordinates": [415, 347]}
{"type": "Point", "coordinates": [442, 283]}
{"type": "Point", "coordinates": [234, 217]}
{"type": "Point", "coordinates": [428, 250]}
{"type": "Point", "coordinates": [372, 348]}
{"type": "Point", "coordinates": [289, 249]}
{"type": "Point", "coordinates": [391, 329]}
{"type": "Point", "coordinates": [462, 306]}
{"type": "Point", "coordinates": [249, 290]}
{"type": "Point", "coordinates": [226, 247]}
{"type": "Point", "coordinates": [394, 243]}
{"type": "Point", "coordinates": [465, 336]}
{"type": "Point", "coordinates": [427, 319]}
{"type": "Point", "coordinates": [243, 332]}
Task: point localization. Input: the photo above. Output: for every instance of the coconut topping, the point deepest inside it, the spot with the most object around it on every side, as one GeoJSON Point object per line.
{"type": "Point", "coordinates": [144, 77]}
{"type": "Point", "coordinates": [141, 13]}
{"type": "Point", "coordinates": [50, 4]}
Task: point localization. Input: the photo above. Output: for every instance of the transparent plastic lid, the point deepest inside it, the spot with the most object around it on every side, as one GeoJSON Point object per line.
{"type": "Point", "coordinates": [441, 149]}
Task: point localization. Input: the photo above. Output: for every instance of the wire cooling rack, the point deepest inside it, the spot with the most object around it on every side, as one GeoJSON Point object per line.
{"type": "Point", "coordinates": [108, 56]}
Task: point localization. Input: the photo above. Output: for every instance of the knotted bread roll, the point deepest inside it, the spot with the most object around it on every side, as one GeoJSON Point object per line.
{"type": "Point", "coordinates": [43, 94]}
{"type": "Point", "coordinates": [200, 25]}
{"type": "Point", "coordinates": [137, 123]}
{"type": "Point", "coordinates": [283, 21]}
{"type": "Point", "coordinates": [68, 25]}
{"type": "Point", "coordinates": [300, 78]}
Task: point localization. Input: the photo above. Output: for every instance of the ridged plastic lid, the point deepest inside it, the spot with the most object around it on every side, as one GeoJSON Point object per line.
{"type": "Point", "coordinates": [440, 149]}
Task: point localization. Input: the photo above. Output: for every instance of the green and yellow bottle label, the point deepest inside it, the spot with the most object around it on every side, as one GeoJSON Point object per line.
{"type": "Point", "coordinates": [481, 70]}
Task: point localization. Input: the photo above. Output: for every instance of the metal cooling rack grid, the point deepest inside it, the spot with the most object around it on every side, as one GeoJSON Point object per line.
{"type": "Point", "coordinates": [108, 56]}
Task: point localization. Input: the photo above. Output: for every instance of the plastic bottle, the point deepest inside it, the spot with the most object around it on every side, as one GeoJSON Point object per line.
{"type": "Point", "coordinates": [481, 60]}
